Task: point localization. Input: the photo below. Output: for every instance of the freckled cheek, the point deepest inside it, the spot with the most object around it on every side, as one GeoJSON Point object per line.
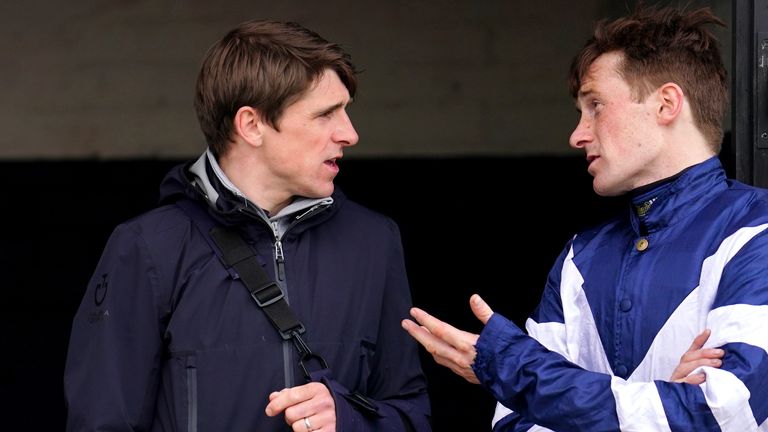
{"type": "Point", "coordinates": [633, 138]}
{"type": "Point", "coordinates": [620, 137]}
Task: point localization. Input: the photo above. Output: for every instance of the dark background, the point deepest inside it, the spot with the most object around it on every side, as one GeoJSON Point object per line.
{"type": "Point", "coordinates": [487, 225]}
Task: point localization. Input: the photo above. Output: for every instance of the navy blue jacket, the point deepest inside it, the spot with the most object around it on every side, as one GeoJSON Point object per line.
{"type": "Point", "coordinates": [166, 340]}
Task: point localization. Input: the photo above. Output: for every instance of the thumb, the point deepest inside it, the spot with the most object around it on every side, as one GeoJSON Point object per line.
{"type": "Point", "coordinates": [480, 308]}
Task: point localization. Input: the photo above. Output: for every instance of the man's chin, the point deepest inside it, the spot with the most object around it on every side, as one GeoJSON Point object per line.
{"type": "Point", "coordinates": [321, 192]}
{"type": "Point", "coordinates": [605, 190]}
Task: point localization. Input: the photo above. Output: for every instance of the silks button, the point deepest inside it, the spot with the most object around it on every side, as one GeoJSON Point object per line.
{"type": "Point", "coordinates": [622, 371]}
{"type": "Point", "coordinates": [641, 244]}
{"type": "Point", "coordinates": [625, 305]}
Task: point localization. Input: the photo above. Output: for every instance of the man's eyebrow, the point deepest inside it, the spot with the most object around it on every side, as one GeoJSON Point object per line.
{"type": "Point", "coordinates": [330, 108]}
{"type": "Point", "coordinates": [582, 94]}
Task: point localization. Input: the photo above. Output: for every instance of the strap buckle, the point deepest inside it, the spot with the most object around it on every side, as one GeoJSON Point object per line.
{"type": "Point", "coordinates": [306, 354]}
{"type": "Point", "coordinates": [267, 294]}
{"type": "Point", "coordinates": [293, 332]}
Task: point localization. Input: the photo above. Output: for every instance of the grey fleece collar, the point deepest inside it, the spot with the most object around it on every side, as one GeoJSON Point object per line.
{"type": "Point", "coordinates": [201, 180]}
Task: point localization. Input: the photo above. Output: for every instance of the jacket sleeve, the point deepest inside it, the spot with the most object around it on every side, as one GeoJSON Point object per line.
{"type": "Point", "coordinates": [112, 366]}
{"type": "Point", "coordinates": [397, 388]}
{"type": "Point", "coordinates": [546, 325]}
{"type": "Point", "coordinates": [505, 419]}
{"type": "Point", "coordinates": [545, 387]}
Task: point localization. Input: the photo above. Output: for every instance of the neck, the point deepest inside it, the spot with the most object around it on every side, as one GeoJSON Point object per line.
{"type": "Point", "coordinates": [684, 147]}
{"type": "Point", "coordinates": [249, 176]}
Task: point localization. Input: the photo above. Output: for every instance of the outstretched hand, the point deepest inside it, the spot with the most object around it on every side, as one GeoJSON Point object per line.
{"type": "Point", "coordinates": [449, 346]}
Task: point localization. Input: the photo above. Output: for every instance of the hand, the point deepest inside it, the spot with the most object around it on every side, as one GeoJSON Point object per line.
{"type": "Point", "coordinates": [697, 356]}
{"type": "Point", "coordinates": [449, 346]}
{"type": "Point", "coordinates": [312, 402]}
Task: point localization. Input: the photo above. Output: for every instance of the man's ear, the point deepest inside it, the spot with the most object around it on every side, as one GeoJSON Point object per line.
{"type": "Point", "coordinates": [247, 125]}
{"type": "Point", "coordinates": [671, 99]}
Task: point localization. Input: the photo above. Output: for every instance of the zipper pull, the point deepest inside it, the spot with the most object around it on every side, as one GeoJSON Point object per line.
{"type": "Point", "coordinates": [280, 260]}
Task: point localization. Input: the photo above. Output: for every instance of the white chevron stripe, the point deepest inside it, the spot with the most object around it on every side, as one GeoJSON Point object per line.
{"type": "Point", "coordinates": [549, 334]}
{"type": "Point", "coordinates": [583, 340]}
{"type": "Point", "coordinates": [712, 267]}
{"type": "Point", "coordinates": [502, 411]}
{"type": "Point", "coordinates": [728, 399]}
{"type": "Point", "coordinates": [739, 323]}
{"type": "Point", "coordinates": [638, 406]}
{"type": "Point", "coordinates": [672, 340]}
{"type": "Point", "coordinates": [537, 428]}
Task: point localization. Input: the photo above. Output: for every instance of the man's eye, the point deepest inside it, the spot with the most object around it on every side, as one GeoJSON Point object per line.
{"type": "Point", "coordinates": [596, 106]}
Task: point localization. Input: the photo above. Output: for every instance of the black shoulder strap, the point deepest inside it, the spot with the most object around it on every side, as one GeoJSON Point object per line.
{"type": "Point", "coordinates": [238, 255]}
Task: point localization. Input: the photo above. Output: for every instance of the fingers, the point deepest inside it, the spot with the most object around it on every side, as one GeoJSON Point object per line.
{"type": "Point", "coordinates": [450, 347]}
{"type": "Point", "coordinates": [421, 334]}
{"type": "Point", "coordinates": [434, 345]}
{"type": "Point", "coordinates": [681, 373]}
{"type": "Point", "coordinates": [695, 357]}
{"type": "Point", "coordinates": [696, 353]}
{"type": "Point", "coordinates": [480, 308]}
{"type": "Point", "coordinates": [699, 340]}
{"type": "Point", "coordinates": [694, 379]}
{"type": "Point", "coordinates": [316, 423]}
{"type": "Point", "coordinates": [703, 355]}
{"type": "Point", "coordinates": [440, 348]}
{"type": "Point", "coordinates": [437, 333]}
{"type": "Point", "coordinates": [313, 401]}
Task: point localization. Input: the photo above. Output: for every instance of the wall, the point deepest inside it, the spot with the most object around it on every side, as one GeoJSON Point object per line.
{"type": "Point", "coordinates": [114, 79]}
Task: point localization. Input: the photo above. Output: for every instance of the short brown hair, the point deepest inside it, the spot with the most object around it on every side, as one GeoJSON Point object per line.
{"type": "Point", "coordinates": [661, 45]}
{"type": "Point", "coordinates": [266, 65]}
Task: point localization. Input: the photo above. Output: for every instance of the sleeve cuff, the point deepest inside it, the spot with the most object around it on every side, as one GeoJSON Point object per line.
{"type": "Point", "coordinates": [497, 335]}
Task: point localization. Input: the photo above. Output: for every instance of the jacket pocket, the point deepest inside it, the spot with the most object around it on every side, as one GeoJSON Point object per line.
{"type": "Point", "coordinates": [365, 365]}
{"type": "Point", "coordinates": [191, 385]}
{"type": "Point", "coordinates": [177, 404]}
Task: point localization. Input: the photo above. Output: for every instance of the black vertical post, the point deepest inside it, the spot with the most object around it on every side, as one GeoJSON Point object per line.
{"type": "Point", "coordinates": [749, 91]}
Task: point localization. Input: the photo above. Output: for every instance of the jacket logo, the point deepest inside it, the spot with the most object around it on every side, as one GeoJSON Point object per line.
{"type": "Point", "coordinates": [101, 290]}
{"type": "Point", "coordinates": [642, 209]}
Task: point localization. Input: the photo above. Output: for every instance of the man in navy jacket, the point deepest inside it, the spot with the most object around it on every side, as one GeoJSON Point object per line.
{"type": "Point", "coordinates": [167, 338]}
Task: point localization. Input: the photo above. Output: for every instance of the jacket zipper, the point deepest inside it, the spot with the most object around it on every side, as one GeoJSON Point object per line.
{"type": "Point", "coordinates": [288, 350]}
{"type": "Point", "coordinates": [279, 255]}
{"type": "Point", "coordinates": [280, 272]}
{"type": "Point", "coordinates": [279, 259]}
{"type": "Point", "coordinates": [191, 370]}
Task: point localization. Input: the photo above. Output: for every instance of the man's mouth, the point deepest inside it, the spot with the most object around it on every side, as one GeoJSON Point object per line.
{"type": "Point", "coordinates": [333, 162]}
